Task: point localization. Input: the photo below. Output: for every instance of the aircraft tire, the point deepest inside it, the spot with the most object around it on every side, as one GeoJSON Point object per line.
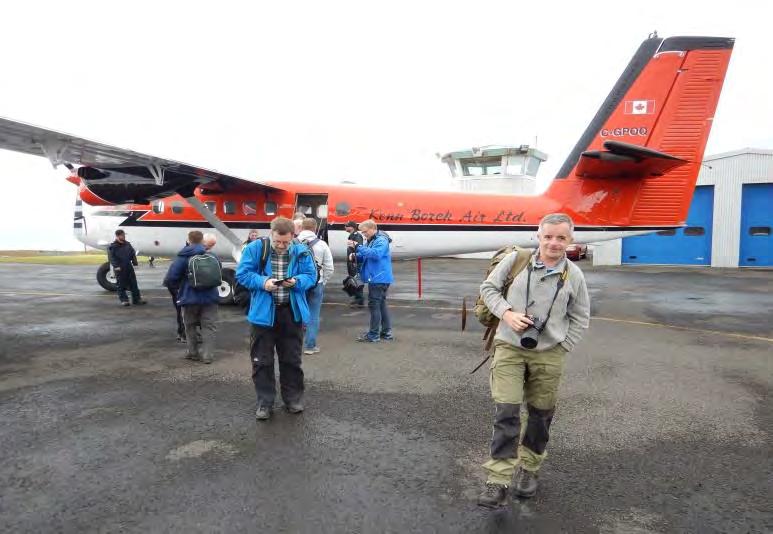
{"type": "Point", "coordinates": [106, 277]}
{"type": "Point", "coordinates": [226, 290]}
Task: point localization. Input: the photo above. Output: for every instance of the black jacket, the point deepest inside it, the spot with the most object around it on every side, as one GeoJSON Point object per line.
{"type": "Point", "coordinates": [121, 254]}
{"type": "Point", "coordinates": [351, 266]}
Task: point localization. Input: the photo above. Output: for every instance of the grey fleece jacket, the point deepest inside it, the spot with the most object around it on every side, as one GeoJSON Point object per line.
{"type": "Point", "coordinates": [571, 311]}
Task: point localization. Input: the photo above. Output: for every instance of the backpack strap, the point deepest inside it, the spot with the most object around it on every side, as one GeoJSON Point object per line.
{"type": "Point", "coordinates": [523, 256]}
{"type": "Point", "coordinates": [264, 253]}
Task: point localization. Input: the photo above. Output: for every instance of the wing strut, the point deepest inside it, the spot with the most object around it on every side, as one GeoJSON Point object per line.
{"type": "Point", "coordinates": [236, 251]}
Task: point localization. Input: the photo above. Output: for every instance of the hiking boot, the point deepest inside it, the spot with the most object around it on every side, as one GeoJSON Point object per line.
{"type": "Point", "coordinates": [493, 496]}
{"type": "Point", "coordinates": [125, 303]}
{"type": "Point", "coordinates": [312, 350]}
{"type": "Point", "coordinates": [387, 336]}
{"type": "Point", "coordinates": [365, 338]}
{"type": "Point", "coordinates": [263, 413]}
{"type": "Point", "coordinates": [294, 407]}
{"type": "Point", "coordinates": [524, 483]}
{"type": "Point", "coordinates": [140, 302]}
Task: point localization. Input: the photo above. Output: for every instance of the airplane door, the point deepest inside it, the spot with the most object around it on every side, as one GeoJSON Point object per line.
{"type": "Point", "coordinates": [314, 205]}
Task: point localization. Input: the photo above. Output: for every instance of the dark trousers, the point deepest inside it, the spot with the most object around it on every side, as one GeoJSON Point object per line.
{"type": "Point", "coordinates": [286, 337]}
{"type": "Point", "coordinates": [179, 309]}
{"type": "Point", "coordinates": [380, 322]}
{"type": "Point", "coordinates": [127, 280]}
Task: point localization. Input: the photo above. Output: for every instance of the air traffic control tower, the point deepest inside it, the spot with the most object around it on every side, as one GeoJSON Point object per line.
{"type": "Point", "coordinates": [496, 169]}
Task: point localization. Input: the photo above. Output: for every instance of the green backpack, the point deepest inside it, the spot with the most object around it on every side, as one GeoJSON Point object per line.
{"type": "Point", "coordinates": [484, 315]}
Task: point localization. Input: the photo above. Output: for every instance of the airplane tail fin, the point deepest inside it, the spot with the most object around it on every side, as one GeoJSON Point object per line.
{"type": "Point", "coordinates": [644, 147]}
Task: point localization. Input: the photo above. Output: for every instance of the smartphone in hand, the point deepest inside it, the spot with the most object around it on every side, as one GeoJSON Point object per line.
{"type": "Point", "coordinates": [279, 282]}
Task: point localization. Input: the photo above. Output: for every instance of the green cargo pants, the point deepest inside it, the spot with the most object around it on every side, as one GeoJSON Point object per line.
{"type": "Point", "coordinates": [519, 375]}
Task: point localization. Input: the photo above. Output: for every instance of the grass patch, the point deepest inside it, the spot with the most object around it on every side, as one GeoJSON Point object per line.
{"type": "Point", "coordinates": [96, 257]}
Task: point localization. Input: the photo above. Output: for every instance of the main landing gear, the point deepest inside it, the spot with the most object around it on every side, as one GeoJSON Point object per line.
{"type": "Point", "coordinates": [106, 277]}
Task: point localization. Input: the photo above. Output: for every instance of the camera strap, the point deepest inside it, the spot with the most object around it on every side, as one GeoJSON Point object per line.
{"type": "Point", "coordinates": [559, 285]}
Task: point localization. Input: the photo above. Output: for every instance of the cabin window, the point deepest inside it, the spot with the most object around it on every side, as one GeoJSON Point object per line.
{"type": "Point", "coordinates": [269, 207]}
{"type": "Point", "coordinates": [250, 207]}
{"type": "Point", "coordinates": [343, 209]}
{"type": "Point", "coordinates": [177, 207]}
{"type": "Point", "coordinates": [694, 231]}
{"type": "Point", "coordinates": [211, 206]}
{"type": "Point", "coordinates": [229, 207]}
{"type": "Point", "coordinates": [157, 206]}
{"type": "Point", "coordinates": [667, 232]}
{"type": "Point", "coordinates": [759, 231]}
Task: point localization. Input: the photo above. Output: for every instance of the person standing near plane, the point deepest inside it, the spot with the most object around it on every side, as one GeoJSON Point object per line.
{"type": "Point", "coordinates": [297, 223]}
{"type": "Point", "coordinates": [277, 280]}
{"type": "Point", "coordinates": [199, 305]}
{"type": "Point", "coordinates": [122, 257]}
{"type": "Point", "coordinates": [542, 318]}
{"type": "Point", "coordinates": [351, 265]}
{"type": "Point", "coordinates": [375, 260]}
{"type": "Point", "coordinates": [252, 236]}
{"type": "Point", "coordinates": [323, 259]}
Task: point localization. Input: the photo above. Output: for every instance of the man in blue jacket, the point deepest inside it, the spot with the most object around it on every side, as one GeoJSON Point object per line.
{"type": "Point", "coordinates": [200, 306]}
{"type": "Point", "coordinates": [375, 261]}
{"type": "Point", "coordinates": [277, 280]}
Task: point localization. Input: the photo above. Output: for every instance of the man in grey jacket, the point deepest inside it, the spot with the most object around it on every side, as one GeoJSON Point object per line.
{"type": "Point", "coordinates": [323, 258]}
{"type": "Point", "coordinates": [542, 318]}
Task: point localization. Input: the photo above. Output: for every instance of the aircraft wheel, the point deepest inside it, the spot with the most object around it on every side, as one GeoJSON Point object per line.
{"type": "Point", "coordinates": [106, 277]}
{"type": "Point", "coordinates": [226, 289]}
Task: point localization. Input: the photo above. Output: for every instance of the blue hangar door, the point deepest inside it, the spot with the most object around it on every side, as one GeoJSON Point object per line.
{"type": "Point", "coordinates": [756, 223]}
{"type": "Point", "coordinates": [684, 246]}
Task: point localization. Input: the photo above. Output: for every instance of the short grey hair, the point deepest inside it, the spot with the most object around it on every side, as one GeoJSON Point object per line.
{"type": "Point", "coordinates": [557, 218]}
{"type": "Point", "coordinates": [368, 224]}
{"type": "Point", "coordinates": [209, 238]}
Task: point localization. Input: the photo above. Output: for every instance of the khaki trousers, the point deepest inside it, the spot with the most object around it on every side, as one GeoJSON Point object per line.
{"type": "Point", "coordinates": [517, 376]}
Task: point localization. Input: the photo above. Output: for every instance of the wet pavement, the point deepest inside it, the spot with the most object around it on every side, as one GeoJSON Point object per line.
{"type": "Point", "coordinates": [664, 422]}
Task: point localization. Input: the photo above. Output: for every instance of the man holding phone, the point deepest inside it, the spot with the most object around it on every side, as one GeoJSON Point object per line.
{"type": "Point", "coordinates": [277, 282]}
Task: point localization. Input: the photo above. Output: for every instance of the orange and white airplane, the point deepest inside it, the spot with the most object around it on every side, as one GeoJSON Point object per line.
{"type": "Point", "coordinates": [632, 171]}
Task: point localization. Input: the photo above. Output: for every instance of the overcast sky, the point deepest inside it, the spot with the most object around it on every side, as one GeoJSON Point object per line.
{"type": "Point", "coordinates": [331, 91]}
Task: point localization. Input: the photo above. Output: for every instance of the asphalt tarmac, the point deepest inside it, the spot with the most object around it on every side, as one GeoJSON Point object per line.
{"type": "Point", "coordinates": [664, 422]}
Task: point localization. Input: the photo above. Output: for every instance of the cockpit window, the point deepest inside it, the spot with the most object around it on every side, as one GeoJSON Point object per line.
{"type": "Point", "coordinates": [157, 206]}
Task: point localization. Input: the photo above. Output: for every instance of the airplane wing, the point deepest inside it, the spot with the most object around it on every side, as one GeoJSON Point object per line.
{"type": "Point", "coordinates": [625, 160]}
{"type": "Point", "coordinates": [121, 176]}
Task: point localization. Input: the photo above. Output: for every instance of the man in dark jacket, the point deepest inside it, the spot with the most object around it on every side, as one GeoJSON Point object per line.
{"type": "Point", "coordinates": [122, 257]}
{"type": "Point", "coordinates": [351, 263]}
{"type": "Point", "coordinates": [278, 282]}
{"type": "Point", "coordinates": [199, 305]}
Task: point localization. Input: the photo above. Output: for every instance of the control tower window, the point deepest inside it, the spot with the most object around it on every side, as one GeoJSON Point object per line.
{"type": "Point", "coordinates": [482, 167]}
{"type": "Point", "coordinates": [515, 165]}
{"type": "Point", "coordinates": [229, 207]}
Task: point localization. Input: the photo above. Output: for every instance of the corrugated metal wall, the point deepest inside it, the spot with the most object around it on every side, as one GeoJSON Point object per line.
{"type": "Point", "coordinates": [727, 173]}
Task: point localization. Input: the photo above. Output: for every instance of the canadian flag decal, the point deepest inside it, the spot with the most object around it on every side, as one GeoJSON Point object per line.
{"type": "Point", "coordinates": [639, 107]}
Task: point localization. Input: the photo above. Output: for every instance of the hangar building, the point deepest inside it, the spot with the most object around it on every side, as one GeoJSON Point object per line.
{"type": "Point", "coordinates": [729, 224]}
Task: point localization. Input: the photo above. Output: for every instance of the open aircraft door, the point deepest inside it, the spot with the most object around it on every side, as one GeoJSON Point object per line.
{"type": "Point", "coordinates": [314, 205]}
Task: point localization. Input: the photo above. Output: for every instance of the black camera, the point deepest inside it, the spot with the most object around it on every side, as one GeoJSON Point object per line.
{"type": "Point", "coordinates": [530, 335]}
